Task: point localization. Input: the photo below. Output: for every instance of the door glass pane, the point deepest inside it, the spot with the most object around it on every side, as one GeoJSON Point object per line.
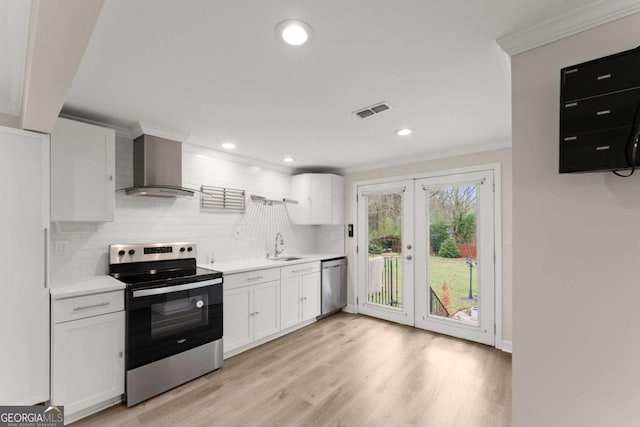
{"type": "Point", "coordinates": [384, 276]}
{"type": "Point", "coordinates": [453, 266]}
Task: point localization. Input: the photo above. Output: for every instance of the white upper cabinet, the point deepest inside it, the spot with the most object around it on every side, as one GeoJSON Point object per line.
{"type": "Point", "coordinates": [320, 199]}
{"type": "Point", "coordinates": [82, 172]}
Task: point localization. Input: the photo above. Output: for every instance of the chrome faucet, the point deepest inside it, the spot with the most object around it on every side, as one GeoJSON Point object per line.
{"type": "Point", "coordinates": [280, 244]}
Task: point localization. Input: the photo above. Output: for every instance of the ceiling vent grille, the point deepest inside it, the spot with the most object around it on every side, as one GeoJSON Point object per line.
{"type": "Point", "coordinates": [363, 113]}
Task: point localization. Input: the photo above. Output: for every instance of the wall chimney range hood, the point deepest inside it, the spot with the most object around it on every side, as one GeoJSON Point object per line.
{"type": "Point", "coordinates": [157, 168]}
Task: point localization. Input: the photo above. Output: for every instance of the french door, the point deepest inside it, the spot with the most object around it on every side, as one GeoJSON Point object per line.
{"type": "Point", "coordinates": [454, 267]}
{"type": "Point", "coordinates": [385, 251]}
{"type": "Point", "coordinates": [426, 253]}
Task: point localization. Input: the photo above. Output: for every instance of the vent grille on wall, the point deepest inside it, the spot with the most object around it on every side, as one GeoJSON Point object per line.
{"type": "Point", "coordinates": [219, 199]}
{"type": "Point", "coordinates": [371, 110]}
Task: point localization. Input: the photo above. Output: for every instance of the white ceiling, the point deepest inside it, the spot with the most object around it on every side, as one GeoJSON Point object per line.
{"type": "Point", "coordinates": [214, 70]}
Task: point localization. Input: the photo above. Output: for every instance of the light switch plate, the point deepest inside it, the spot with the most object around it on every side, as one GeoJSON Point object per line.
{"type": "Point", "coordinates": [61, 247]}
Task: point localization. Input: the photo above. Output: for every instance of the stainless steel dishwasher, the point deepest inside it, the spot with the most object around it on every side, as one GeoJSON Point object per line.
{"type": "Point", "coordinates": [334, 285]}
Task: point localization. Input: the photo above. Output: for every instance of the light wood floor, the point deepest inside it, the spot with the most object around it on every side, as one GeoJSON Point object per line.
{"type": "Point", "coordinates": [344, 370]}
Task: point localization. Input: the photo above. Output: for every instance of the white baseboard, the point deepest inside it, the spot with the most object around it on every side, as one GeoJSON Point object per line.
{"type": "Point", "coordinates": [350, 308]}
{"type": "Point", "coordinates": [506, 346]}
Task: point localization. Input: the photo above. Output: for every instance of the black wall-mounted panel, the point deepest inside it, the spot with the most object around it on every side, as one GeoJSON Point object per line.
{"type": "Point", "coordinates": [599, 102]}
{"type": "Point", "coordinates": [601, 76]}
{"type": "Point", "coordinates": [596, 151]}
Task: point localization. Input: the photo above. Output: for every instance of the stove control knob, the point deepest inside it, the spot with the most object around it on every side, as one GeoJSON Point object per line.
{"type": "Point", "coordinates": [120, 252]}
{"type": "Point", "coordinates": [132, 251]}
{"type": "Point", "coordinates": [189, 248]}
{"type": "Point", "coordinates": [181, 249]}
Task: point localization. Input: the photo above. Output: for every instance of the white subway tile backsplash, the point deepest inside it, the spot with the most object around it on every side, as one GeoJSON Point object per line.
{"type": "Point", "coordinates": [145, 220]}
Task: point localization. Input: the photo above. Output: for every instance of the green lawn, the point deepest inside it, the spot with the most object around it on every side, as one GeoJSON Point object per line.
{"type": "Point", "coordinates": [456, 273]}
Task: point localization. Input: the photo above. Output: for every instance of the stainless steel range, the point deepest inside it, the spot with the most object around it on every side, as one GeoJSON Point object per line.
{"type": "Point", "coordinates": [174, 316]}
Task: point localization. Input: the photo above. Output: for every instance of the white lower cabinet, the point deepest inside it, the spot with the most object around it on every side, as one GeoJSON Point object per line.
{"type": "Point", "coordinates": [266, 310]}
{"type": "Point", "coordinates": [310, 296]}
{"type": "Point", "coordinates": [300, 299]}
{"type": "Point", "coordinates": [261, 305]}
{"type": "Point", "coordinates": [250, 314]}
{"type": "Point", "coordinates": [87, 354]}
{"type": "Point", "coordinates": [290, 302]}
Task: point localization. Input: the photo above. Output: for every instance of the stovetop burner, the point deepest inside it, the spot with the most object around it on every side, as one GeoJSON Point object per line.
{"type": "Point", "coordinates": [157, 264]}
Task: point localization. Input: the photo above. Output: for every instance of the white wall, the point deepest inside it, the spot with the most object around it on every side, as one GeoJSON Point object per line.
{"type": "Point", "coordinates": [502, 156]}
{"type": "Point", "coordinates": [150, 219]}
{"type": "Point", "coordinates": [576, 256]}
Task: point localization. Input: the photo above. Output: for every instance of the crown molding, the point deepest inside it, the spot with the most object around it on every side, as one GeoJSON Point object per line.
{"type": "Point", "coordinates": [567, 24]}
{"type": "Point", "coordinates": [156, 130]}
{"type": "Point", "coordinates": [443, 154]}
{"type": "Point", "coordinates": [120, 131]}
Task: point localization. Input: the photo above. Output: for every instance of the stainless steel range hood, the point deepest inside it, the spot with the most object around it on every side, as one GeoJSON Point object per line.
{"type": "Point", "coordinates": [157, 168]}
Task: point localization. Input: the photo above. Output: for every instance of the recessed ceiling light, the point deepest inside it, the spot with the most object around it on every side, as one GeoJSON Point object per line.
{"type": "Point", "coordinates": [228, 145]}
{"type": "Point", "coordinates": [404, 132]}
{"type": "Point", "coordinates": [294, 32]}
{"type": "Point", "coordinates": [288, 159]}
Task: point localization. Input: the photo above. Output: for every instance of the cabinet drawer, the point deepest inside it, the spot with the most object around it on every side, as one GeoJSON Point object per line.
{"type": "Point", "coordinates": [298, 269]}
{"type": "Point", "coordinates": [86, 306]}
{"type": "Point", "coordinates": [609, 74]}
{"type": "Point", "coordinates": [232, 281]}
{"type": "Point", "coordinates": [600, 113]}
{"type": "Point", "coordinates": [604, 150]}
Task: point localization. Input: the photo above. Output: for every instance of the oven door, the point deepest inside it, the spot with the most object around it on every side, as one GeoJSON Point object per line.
{"type": "Point", "coordinates": [163, 321]}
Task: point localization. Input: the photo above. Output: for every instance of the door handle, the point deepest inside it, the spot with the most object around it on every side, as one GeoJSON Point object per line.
{"type": "Point", "coordinates": [46, 257]}
{"type": "Point", "coordinates": [409, 257]}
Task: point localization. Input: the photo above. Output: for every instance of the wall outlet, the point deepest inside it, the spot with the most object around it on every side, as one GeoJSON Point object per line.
{"type": "Point", "coordinates": [61, 247]}
{"type": "Point", "coordinates": [237, 233]}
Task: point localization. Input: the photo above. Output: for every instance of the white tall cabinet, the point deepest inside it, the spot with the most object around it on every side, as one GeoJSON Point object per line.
{"type": "Point", "coordinates": [24, 297]}
{"type": "Point", "coordinates": [82, 172]}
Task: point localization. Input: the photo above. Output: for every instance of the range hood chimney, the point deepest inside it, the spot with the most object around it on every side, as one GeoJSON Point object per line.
{"type": "Point", "coordinates": [157, 168]}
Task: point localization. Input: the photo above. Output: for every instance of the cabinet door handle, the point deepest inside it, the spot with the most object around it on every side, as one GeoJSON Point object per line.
{"type": "Point", "coordinates": [254, 278]}
{"type": "Point", "coordinates": [86, 307]}
{"type": "Point", "coordinates": [121, 355]}
{"type": "Point", "coordinates": [603, 112]}
{"type": "Point", "coordinates": [302, 269]}
{"type": "Point", "coordinates": [604, 76]}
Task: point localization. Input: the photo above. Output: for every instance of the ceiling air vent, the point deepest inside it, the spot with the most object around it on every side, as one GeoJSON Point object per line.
{"type": "Point", "coordinates": [363, 113]}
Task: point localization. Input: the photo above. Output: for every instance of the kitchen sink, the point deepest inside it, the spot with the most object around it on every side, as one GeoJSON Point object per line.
{"type": "Point", "coordinates": [285, 258]}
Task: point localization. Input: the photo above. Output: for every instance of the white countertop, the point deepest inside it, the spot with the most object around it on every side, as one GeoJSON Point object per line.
{"type": "Point", "coordinates": [240, 266]}
{"type": "Point", "coordinates": [84, 286]}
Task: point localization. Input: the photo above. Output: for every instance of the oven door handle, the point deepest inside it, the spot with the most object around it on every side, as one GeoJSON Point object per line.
{"type": "Point", "coordinates": [176, 288]}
